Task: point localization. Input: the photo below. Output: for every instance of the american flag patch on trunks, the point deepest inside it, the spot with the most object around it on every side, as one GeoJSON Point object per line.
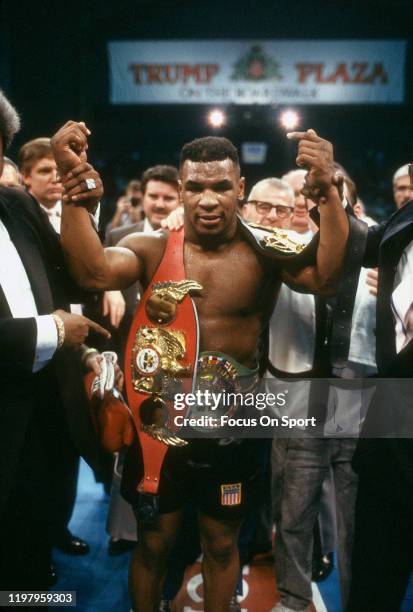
{"type": "Point", "coordinates": [231, 494]}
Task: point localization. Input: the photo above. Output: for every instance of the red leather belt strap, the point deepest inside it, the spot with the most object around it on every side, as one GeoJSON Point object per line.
{"type": "Point", "coordinates": [171, 268]}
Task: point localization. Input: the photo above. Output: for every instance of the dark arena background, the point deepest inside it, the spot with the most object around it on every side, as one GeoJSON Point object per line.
{"type": "Point", "coordinates": [55, 66]}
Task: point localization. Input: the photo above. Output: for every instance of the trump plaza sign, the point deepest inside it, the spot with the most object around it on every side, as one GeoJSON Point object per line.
{"type": "Point", "coordinates": [257, 72]}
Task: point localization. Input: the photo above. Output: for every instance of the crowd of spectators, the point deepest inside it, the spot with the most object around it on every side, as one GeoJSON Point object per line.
{"type": "Point", "coordinates": [309, 488]}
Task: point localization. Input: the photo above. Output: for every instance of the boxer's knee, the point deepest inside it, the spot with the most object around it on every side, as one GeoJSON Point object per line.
{"type": "Point", "coordinates": [155, 550]}
{"type": "Point", "coordinates": [220, 550]}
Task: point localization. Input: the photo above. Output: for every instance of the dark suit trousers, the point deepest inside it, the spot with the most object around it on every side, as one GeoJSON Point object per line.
{"type": "Point", "coordinates": [25, 548]}
{"type": "Point", "coordinates": [383, 551]}
{"type": "Point", "coordinates": [62, 464]}
{"type": "Point", "coordinates": [41, 499]}
{"type": "Point", "coordinates": [383, 546]}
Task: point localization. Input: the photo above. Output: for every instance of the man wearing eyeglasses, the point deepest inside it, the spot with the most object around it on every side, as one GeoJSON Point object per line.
{"type": "Point", "coordinates": [271, 203]}
{"type": "Point", "coordinates": [274, 202]}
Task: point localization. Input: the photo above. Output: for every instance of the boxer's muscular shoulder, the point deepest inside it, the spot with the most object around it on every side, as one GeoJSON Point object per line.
{"type": "Point", "coordinates": [147, 247]}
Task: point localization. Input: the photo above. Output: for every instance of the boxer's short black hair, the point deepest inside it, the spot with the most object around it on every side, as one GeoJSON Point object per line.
{"type": "Point", "coordinates": [210, 148]}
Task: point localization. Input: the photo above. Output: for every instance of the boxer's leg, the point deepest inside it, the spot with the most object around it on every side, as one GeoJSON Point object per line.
{"type": "Point", "coordinates": [220, 566]}
{"type": "Point", "coordinates": [150, 559]}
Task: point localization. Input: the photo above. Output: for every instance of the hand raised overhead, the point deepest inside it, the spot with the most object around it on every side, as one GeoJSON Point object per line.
{"type": "Point", "coordinates": [316, 155]}
{"type": "Point", "coordinates": [69, 146]}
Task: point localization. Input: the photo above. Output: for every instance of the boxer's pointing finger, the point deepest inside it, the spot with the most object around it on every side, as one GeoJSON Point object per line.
{"type": "Point", "coordinates": [308, 135]}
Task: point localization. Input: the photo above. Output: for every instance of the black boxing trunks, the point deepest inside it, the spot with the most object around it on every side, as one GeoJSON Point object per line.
{"type": "Point", "coordinates": [220, 475]}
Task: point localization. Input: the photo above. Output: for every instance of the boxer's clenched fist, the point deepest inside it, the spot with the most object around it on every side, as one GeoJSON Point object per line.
{"type": "Point", "coordinates": [69, 146]}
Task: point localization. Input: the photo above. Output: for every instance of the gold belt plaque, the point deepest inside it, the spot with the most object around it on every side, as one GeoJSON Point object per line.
{"type": "Point", "coordinates": [157, 355]}
{"type": "Point", "coordinates": [280, 240]}
{"type": "Point", "coordinates": [175, 290]}
{"type": "Point", "coordinates": [159, 359]}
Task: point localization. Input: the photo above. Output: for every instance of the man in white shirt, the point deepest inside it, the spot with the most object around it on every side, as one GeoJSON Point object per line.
{"type": "Point", "coordinates": [402, 188]}
{"type": "Point", "coordinates": [270, 203]}
{"type": "Point", "coordinates": [160, 197]}
{"type": "Point", "coordinates": [160, 185]}
{"type": "Point", "coordinates": [33, 328]}
{"type": "Point", "coordinates": [39, 172]}
{"type": "Point", "coordinates": [300, 220]}
{"type": "Point", "coordinates": [300, 466]}
{"type": "Point", "coordinates": [41, 180]}
{"type": "Point", "coordinates": [294, 322]}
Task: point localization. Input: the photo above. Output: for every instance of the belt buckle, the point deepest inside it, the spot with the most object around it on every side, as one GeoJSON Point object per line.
{"type": "Point", "coordinates": [147, 508]}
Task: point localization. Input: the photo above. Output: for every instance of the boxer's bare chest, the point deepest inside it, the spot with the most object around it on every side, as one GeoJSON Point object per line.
{"type": "Point", "coordinates": [231, 276]}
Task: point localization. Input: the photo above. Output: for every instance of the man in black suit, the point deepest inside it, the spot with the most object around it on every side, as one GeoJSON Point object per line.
{"type": "Point", "coordinates": [39, 172]}
{"type": "Point", "coordinates": [34, 330]}
{"type": "Point", "coordinates": [383, 552]}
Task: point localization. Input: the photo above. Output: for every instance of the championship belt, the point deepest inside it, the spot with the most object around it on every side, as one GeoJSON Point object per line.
{"type": "Point", "coordinates": [279, 244]}
{"type": "Point", "coordinates": [160, 360]}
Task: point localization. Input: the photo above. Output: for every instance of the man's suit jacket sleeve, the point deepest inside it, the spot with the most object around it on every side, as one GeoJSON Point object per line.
{"type": "Point", "coordinates": [64, 288]}
{"type": "Point", "coordinates": [18, 342]}
{"type": "Point", "coordinates": [374, 237]}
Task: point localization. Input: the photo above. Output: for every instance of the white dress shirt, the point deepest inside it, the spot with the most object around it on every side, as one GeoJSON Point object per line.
{"type": "Point", "coordinates": [292, 326]}
{"type": "Point", "coordinates": [55, 218]}
{"type": "Point", "coordinates": [362, 351]}
{"type": "Point", "coordinates": [147, 227]}
{"type": "Point", "coordinates": [55, 215]}
{"type": "Point", "coordinates": [19, 295]}
{"type": "Point", "coordinates": [362, 348]}
{"type": "Point", "coordinates": [402, 298]}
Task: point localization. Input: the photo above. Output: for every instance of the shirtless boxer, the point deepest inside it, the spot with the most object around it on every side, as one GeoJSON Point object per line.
{"type": "Point", "coordinates": [239, 288]}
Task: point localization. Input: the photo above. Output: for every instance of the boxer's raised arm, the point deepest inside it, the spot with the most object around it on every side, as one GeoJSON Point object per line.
{"type": "Point", "coordinates": [92, 266]}
{"type": "Point", "coordinates": [324, 187]}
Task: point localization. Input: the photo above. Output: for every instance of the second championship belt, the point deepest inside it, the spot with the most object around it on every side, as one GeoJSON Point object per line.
{"type": "Point", "coordinates": [160, 360]}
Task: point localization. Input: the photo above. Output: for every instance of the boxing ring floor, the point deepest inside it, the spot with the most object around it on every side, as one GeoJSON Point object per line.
{"type": "Point", "coordinates": [100, 581]}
